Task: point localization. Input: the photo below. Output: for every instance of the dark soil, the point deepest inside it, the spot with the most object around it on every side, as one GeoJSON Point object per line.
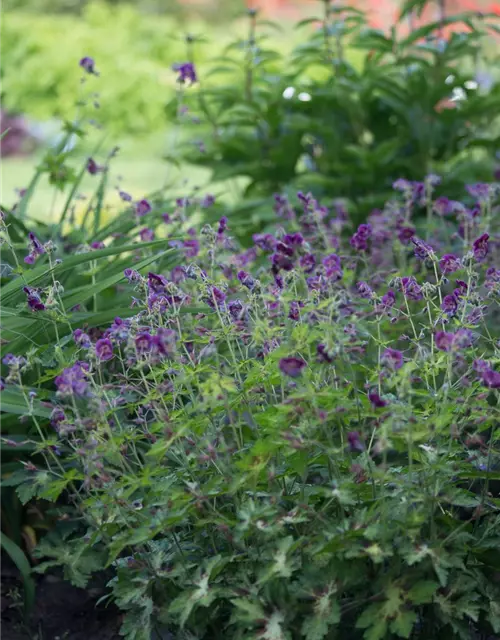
{"type": "Point", "coordinates": [62, 612]}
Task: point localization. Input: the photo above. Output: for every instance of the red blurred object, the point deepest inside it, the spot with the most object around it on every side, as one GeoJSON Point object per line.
{"type": "Point", "coordinates": [381, 12]}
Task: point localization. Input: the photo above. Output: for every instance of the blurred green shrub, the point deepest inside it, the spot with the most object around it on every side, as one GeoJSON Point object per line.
{"type": "Point", "coordinates": [312, 120]}
{"type": "Point", "coordinates": [133, 52]}
{"type": "Point", "coordinates": [208, 10]}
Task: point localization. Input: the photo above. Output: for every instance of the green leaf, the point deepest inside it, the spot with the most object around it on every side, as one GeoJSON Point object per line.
{"type": "Point", "coordinates": [76, 184]}
{"type": "Point", "coordinates": [423, 592]}
{"type": "Point", "coordinates": [72, 299]}
{"type": "Point", "coordinates": [402, 625]}
{"type": "Point", "coordinates": [13, 401]}
{"type": "Point", "coordinates": [327, 614]}
{"type": "Point", "coordinates": [18, 557]}
{"type": "Point", "coordinates": [427, 29]}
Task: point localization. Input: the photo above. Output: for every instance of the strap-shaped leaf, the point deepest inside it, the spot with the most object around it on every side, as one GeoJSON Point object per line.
{"type": "Point", "coordinates": [20, 560]}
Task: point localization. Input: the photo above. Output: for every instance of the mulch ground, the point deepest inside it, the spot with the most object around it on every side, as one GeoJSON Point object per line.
{"type": "Point", "coordinates": [62, 612]}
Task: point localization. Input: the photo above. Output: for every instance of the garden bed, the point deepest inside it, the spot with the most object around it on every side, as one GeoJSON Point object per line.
{"type": "Point", "coordinates": [62, 611]}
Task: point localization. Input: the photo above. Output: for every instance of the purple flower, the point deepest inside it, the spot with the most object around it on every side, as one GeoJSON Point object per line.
{"type": "Point", "coordinates": [360, 239]}
{"type": "Point", "coordinates": [222, 225]}
{"type": "Point", "coordinates": [444, 340]}
{"type": "Point", "coordinates": [9, 359]}
{"type": "Point", "coordinates": [323, 354]}
{"type": "Point", "coordinates": [246, 280]}
{"type": "Point", "coordinates": [480, 247]}
{"type": "Point", "coordinates": [433, 179]}
{"type": "Point", "coordinates": [236, 309]}
{"type": "Point", "coordinates": [293, 239]}
{"type": "Point", "coordinates": [142, 207]}
{"type": "Point", "coordinates": [354, 441]}
{"type": "Point", "coordinates": [178, 274]}
{"type": "Point", "coordinates": [87, 63]}
{"type": "Point", "coordinates": [143, 343]}
{"type": "Point", "coordinates": [315, 283]}
{"type": "Point", "coordinates": [388, 299]}
{"type": "Point", "coordinates": [463, 339]}
{"type": "Point", "coordinates": [186, 72]}
{"type": "Point", "coordinates": [332, 265]}
{"type": "Point", "coordinates": [405, 234]}
{"type": "Point", "coordinates": [285, 249]}
{"type": "Point", "coordinates": [208, 201]}
{"type": "Point", "coordinates": [147, 234]}
{"type": "Point", "coordinates": [364, 290]}
{"type": "Point", "coordinates": [480, 191]}
{"type": "Point", "coordinates": [132, 275]}
{"type": "Point", "coordinates": [281, 261]}
{"type": "Point", "coordinates": [307, 262]}
{"type": "Point", "coordinates": [422, 249]}
{"type": "Point", "coordinates": [104, 349]}
{"type": "Point", "coordinates": [292, 367]}
{"type": "Point", "coordinates": [2, 383]}
{"type": "Point", "coordinates": [461, 289]}
{"type": "Point", "coordinates": [73, 380]}
{"type": "Point", "coordinates": [216, 297]}
{"type": "Point", "coordinates": [126, 197]}
{"type": "Point", "coordinates": [449, 304]}
{"type": "Point", "coordinates": [34, 301]}
{"type": "Point", "coordinates": [57, 417]}
{"type": "Point", "coordinates": [36, 249]}
{"type": "Point", "coordinates": [191, 247]}
{"type": "Point", "coordinates": [93, 167]}
{"type": "Point", "coordinates": [411, 289]}
{"type": "Point", "coordinates": [81, 339]}
{"type": "Point", "coordinates": [294, 311]}
{"type": "Point", "coordinates": [164, 341]}
{"type": "Point", "coordinates": [450, 263]}
{"type": "Point", "coordinates": [492, 279]}
{"type": "Point", "coordinates": [402, 185]}
{"type": "Point", "coordinates": [491, 378]}
{"type": "Point", "coordinates": [156, 282]}
{"type": "Point", "coordinates": [418, 192]}
{"type": "Point", "coordinates": [443, 206]}
{"type": "Point", "coordinates": [264, 241]}
{"type": "Point", "coordinates": [376, 400]}
{"type": "Point", "coordinates": [480, 366]}
{"type": "Point", "coordinates": [392, 358]}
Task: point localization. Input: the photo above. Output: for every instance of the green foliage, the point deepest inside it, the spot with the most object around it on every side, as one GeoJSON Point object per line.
{"type": "Point", "coordinates": [227, 497]}
{"type": "Point", "coordinates": [17, 556]}
{"type": "Point", "coordinates": [314, 120]}
{"type": "Point", "coordinates": [134, 53]}
{"type": "Point", "coordinates": [231, 500]}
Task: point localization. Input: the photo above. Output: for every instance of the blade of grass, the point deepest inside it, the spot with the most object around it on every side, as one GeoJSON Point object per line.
{"type": "Point", "coordinates": [32, 276]}
{"type": "Point", "coordinates": [71, 299]}
{"type": "Point", "coordinates": [20, 560]}
{"type": "Point", "coordinates": [13, 402]}
{"type": "Point", "coordinates": [77, 183]}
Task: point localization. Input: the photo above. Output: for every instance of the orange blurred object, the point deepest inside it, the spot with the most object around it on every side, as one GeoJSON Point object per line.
{"type": "Point", "coordinates": [443, 104]}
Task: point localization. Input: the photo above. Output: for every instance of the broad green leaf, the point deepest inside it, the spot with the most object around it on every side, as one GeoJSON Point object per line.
{"type": "Point", "coordinates": [423, 591]}
{"type": "Point", "coordinates": [402, 625]}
